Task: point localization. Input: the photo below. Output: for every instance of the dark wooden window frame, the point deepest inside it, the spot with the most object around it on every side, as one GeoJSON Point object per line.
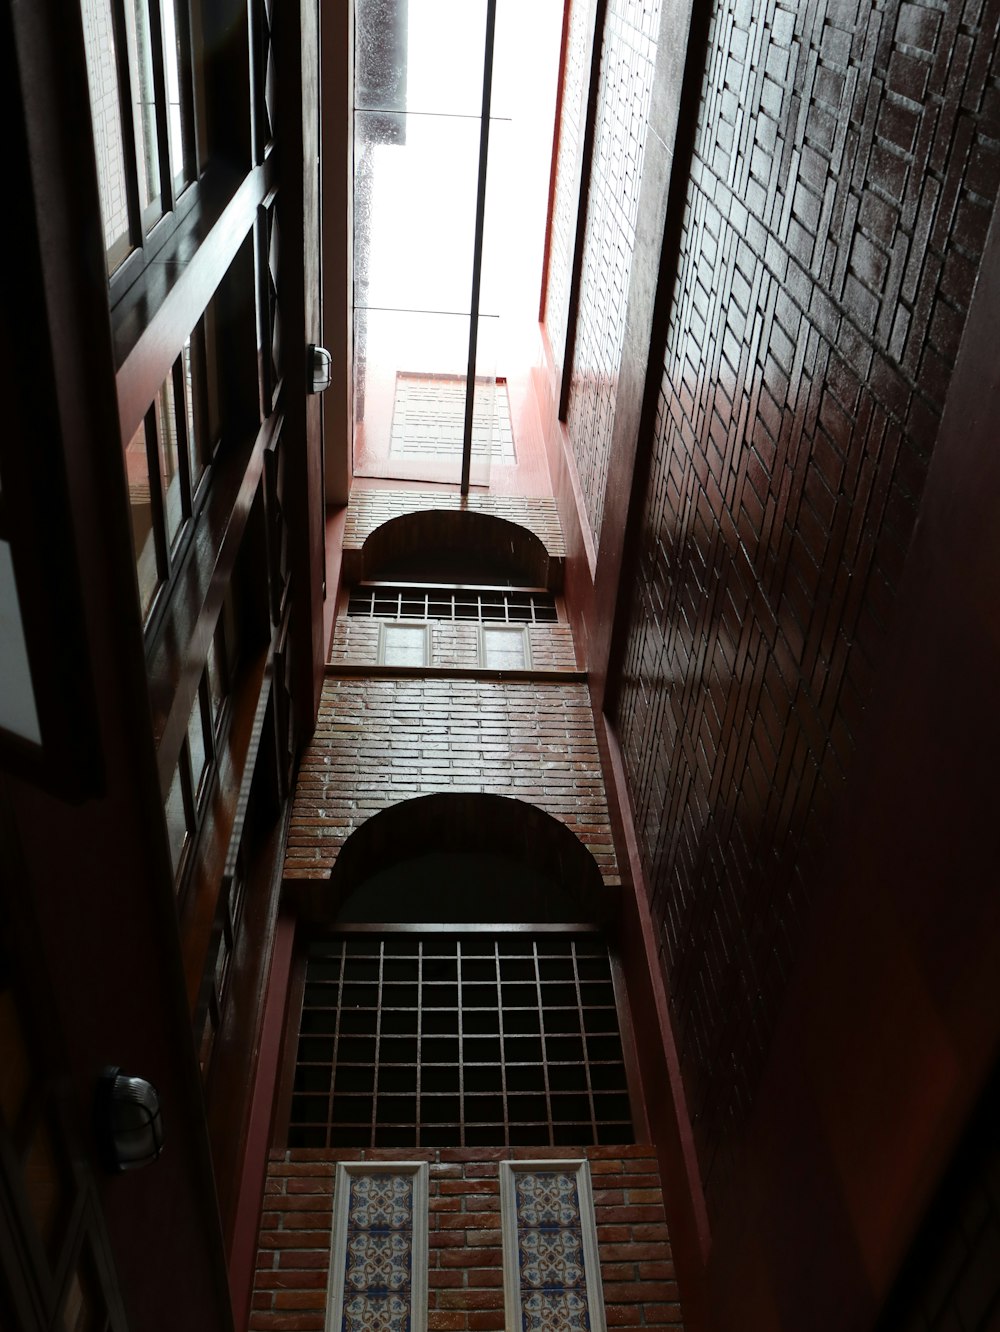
{"type": "Point", "coordinates": [176, 200]}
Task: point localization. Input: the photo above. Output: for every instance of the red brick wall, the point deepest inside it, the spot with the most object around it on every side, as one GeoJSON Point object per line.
{"type": "Point", "coordinates": [466, 1275]}
{"type": "Point", "coordinates": [380, 741]}
{"type": "Point", "coordinates": [846, 165]}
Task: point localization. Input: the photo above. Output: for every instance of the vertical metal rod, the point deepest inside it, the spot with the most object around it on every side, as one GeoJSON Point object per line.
{"type": "Point", "coordinates": [477, 256]}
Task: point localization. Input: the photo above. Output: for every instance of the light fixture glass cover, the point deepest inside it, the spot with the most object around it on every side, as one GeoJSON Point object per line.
{"type": "Point", "coordinates": [128, 1121]}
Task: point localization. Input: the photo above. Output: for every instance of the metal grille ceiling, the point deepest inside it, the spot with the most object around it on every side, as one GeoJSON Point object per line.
{"type": "Point", "coordinates": [471, 1040]}
{"type": "Point", "coordinates": [412, 601]}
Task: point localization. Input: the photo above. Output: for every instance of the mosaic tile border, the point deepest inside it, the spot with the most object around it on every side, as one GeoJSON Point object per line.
{"type": "Point", "coordinates": [551, 1267]}
{"type": "Point", "coordinates": [379, 1248]}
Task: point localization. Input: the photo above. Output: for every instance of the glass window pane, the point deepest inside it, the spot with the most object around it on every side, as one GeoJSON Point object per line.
{"type": "Point", "coordinates": [199, 746]}
{"type": "Point", "coordinates": [394, 351]}
{"type": "Point", "coordinates": [503, 649]}
{"type": "Point", "coordinates": [209, 364]}
{"type": "Point", "coordinates": [215, 687]}
{"type": "Point", "coordinates": [202, 386]}
{"type": "Point", "coordinates": [175, 110]}
{"type": "Point", "coordinates": [176, 815]}
{"type": "Point", "coordinates": [420, 55]}
{"type": "Point", "coordinates": [231, 637]}
{"type": "Point", "coordinates": [140, 504]}
{"type": "Point", "coordinates": [85, 1309]}
{"type": "Point", "coordinates": [404, 645]}
{"type": "Point", "coordinates": [415, 211]}
{"type": "Point", "coordinates": [195, 465]}
{"type": "Point", "coordinates": [109, 142]}
{"type": "Point", "coordinates": [140, 59]}
{"type": "Point", "coordinates": [166, 439]}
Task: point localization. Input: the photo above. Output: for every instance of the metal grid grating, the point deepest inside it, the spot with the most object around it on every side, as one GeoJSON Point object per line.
{"type": "Point", "coordinates": [410, 601]}
{"type": "Point", "coordinates": [444, 1040]}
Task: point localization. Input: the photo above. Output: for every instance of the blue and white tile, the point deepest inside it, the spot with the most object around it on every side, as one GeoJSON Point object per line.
{"type": "Point", "coordinates": [551, 1259]}
{"type": "Point", "coordinates": [376, 1313]}
{"type": "Point", "coordinates": [380, 1202]}
{"type": "Point", "coordinates": [555, 1311]}
{"type": "Point", "coordinates": [379, 1261]}
{"type": "Point", "coordinates": [547, 1198]}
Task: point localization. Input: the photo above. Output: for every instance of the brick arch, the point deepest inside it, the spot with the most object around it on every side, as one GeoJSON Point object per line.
{"type": "Point", "coordinates": [467, 824]}
{"type": "Point", "coordinates": [462, 535]}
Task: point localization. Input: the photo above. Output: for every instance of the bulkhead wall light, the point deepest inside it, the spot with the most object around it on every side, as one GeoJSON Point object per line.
{"type": "Point", "coordinates": [128, 1122]}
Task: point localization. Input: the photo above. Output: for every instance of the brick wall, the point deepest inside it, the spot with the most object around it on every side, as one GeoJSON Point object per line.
{"type": "Point", "coordinates": [369, 509]}
{"type": "Point", "coordinates": [378, 742]}
{"type": "Point", "coordinates": [355, 643]}
{"type": "Point", "coordinates": [846, 166]}
{"type": "Point", "coordinates": [626, 80]}
{"type": "Point", "coordinates": [466, 1275]}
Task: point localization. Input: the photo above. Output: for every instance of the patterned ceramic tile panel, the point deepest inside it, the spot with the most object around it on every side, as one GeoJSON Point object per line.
{"type": "Point", "coordinates": [551, 1217]}
{"type": "Point", "coordinates": [627, 64]}
{"type": "Point", "coordinates": [377, 1252]}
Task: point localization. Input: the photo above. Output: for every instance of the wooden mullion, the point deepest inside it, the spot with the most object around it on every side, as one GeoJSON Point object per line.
{"type": "Point", "coordinates": [290, 1047]}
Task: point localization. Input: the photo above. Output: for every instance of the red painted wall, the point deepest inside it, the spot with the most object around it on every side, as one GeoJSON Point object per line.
{"type": "Point", "coordinates": [807, 628]}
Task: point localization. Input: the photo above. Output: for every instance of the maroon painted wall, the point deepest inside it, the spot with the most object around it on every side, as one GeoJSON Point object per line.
{"type": "Point", "coordinates": [845, 169]}
{"type": "Point", "coordinates": [799, 684]}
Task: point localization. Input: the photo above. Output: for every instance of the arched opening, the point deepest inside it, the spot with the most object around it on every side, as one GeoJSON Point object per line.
{"type": "Point", "coordinates": [463, 858]}
{"type": "Point", "coordinates": [459, 546]}
{"type": "Point", "coordinates": [457, 987]}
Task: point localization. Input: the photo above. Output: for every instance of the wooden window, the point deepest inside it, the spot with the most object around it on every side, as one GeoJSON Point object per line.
{"type": "Point", "coordinates": [167, 461]}
{"type": "Point", "coordinates": [140, 65]}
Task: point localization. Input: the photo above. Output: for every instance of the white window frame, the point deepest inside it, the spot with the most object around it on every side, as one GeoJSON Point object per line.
{"type": "Point", "coordinates": [513, 1321]}
{"type": "Point", "coordinates": [409, 627]}
{"type": "Point", "coordinates": [338, 1243]}
{"type": "Point", "coordinates": [520, 629]}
